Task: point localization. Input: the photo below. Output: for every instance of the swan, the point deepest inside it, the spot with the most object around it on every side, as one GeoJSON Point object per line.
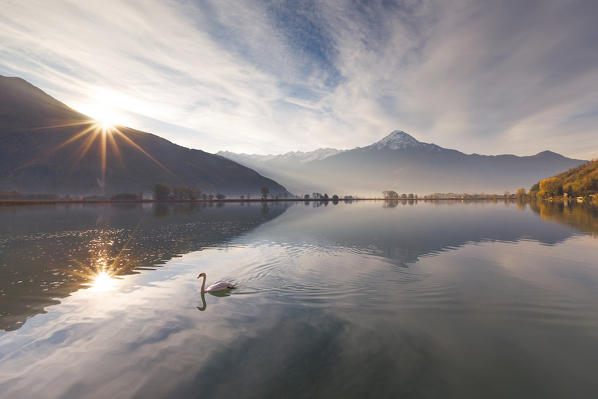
{"type": "Point", "coordinates": [217, 286]}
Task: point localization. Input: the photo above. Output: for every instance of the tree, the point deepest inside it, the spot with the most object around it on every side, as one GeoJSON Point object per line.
{"type": "Point", "coordinates": [125, 197]}
{"type": "Point", "coordinates": [390, 195]}
{"type": "Point", "coordinates": [550, 187]}
{"type": "Point", "coordinates": [265, 191]}
{"type": "Point", "coordinates": [534, 190]}
{"type": "Point", "coordinates": [520, 194]}
{"type": "Point", "coordinates": [194, 193]}
{"type": "Point", "coordinates": [335, 197]}
{"type": "Point", "coordinates": [410, 196]}
{"type": "Point", "coordinates": [306, 196]}
{"type": "Point", "coordinates": [161, 192]}
{"type": "Point", "coordinates": [185, 193]}
{"type": "Point", "coordinates": [179, 193]}
{"type": "Point", "coordinates": [568, 189]}
{"type": "Point", "coordinates": [220, 196]}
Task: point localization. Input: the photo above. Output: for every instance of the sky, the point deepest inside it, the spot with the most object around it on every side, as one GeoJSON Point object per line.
{"type": "Point", "coordinates": [264, 77]}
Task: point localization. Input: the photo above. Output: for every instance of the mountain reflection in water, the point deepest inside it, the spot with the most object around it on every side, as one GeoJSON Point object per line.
{"type": "Point", "coordinates": [352, 300]}
{"type": "Point", "coordinates": [48, 252]}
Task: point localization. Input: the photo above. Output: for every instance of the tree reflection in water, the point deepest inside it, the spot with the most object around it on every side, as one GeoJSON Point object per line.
{"type": "Point", "coordinates": [48, 251]}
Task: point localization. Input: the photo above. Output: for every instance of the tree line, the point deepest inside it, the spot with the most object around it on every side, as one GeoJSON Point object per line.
{"type": "Point", "coordinates": [393, 195]}
{"type": "Point", "coordinates": [162, 192]}
{"type": "Point", "coordinates": [581, 181]}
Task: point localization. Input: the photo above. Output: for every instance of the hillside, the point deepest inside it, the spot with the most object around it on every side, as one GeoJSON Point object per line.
{"type": "Point", "coordinates": [579, 181]}
{"type": "Point", "coordinates": [46, 147]}
{"type": "Point", "coordinates": [402, 163]}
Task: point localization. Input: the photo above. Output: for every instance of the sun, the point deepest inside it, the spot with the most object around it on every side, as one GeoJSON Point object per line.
{"type": "Point", "coordinates": [105, 118]}
{"type": "Point", "coordinates": [105, 125]}
{"type": "Point", "coordinates": [104, 112]}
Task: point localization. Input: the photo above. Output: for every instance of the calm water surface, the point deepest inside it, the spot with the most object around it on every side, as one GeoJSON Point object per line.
{"type": "Point", "coordinates": [367, 299]}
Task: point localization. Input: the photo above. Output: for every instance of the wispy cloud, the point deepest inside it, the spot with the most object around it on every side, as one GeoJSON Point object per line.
{"type": "Point", "coordinates": [275, 76]}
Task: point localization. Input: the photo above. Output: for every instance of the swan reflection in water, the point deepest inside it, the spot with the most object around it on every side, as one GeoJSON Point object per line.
{"type": "Point", "coordinates": [203, 298]}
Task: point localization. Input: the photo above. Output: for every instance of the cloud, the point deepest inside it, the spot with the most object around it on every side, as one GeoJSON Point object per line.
{"type": "Point", "coordinates": [276, 76]}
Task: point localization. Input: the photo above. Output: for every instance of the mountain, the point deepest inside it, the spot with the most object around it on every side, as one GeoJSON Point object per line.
{"type": "Point", "coordinates": [579, 181]}
{"type": "Point", "coordinates": [283, 167]}
{"type": "Point", "coordinates": [402, 163]}
{"type": "Point", "coordinates": [46, 147]}
{"type": "Point", "coordinates": [289, 157]}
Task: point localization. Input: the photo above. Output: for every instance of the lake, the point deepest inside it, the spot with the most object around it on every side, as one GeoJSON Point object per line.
{"type": "Point", "coordinates": [352, 300]}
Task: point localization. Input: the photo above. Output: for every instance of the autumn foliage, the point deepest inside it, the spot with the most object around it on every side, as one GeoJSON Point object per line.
{"type": "Point", "coordinates": [579, 181]}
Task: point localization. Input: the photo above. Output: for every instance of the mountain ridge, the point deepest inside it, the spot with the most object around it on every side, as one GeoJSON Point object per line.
{"type": "Point", "coordinates": [398, 159]}
{"type": "Point", "coordinates": [299, 156]}
{"type": "Point", "coordinates": [47, 147]}
{"type": "Point", "coordinates": [329, 151]}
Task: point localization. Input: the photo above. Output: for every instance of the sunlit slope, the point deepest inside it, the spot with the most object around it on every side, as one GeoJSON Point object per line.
{"type": "Point", "coordinates": [46, 147]}
{"type": "Point", "coordinates": [578, 181]}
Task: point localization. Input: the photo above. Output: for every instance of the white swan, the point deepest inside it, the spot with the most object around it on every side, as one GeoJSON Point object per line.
{"type": "Point", "coordinates": [217, 286]}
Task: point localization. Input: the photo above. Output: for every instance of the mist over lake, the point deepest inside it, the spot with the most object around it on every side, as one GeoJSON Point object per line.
{"type": "Point", "coordinates": [361, 299]}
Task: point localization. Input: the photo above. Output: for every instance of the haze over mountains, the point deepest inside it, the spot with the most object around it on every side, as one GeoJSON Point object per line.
{"type": "Point", "coordinates": [46, 147]}
{"type": "Point", "coordinates": [402, 163]}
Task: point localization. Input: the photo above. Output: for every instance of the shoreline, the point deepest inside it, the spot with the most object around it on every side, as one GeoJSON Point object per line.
{"type": "Point", "coordinates": [233, 200]}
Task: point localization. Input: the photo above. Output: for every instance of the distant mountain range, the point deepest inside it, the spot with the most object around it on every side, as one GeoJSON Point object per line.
{"type": "Point", "coordinates": [400, 162]}
{"type": "Point", "coordinates": [46, 147]}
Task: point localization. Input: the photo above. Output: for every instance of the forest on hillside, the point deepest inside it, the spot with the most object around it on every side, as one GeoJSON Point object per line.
{"type": "Point", "coordinates": [580, 181]}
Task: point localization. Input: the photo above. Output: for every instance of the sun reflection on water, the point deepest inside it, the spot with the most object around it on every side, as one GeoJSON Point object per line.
{"type": "Point", "coordinates": [101, 276]}
{"type": "Point", "coordinates": [102, 282]}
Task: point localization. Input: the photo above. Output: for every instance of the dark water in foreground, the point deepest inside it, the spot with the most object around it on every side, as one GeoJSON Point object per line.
{"type": "Point", "coordinates": [350, 300]}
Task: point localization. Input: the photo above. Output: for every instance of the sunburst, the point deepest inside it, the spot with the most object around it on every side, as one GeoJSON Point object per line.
{"type": "Point", "coordinates": [103, 132]}
{"type": "Point", "coordinates": [102, 272]}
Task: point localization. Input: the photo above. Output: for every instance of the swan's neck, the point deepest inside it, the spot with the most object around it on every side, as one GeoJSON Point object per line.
{"type": "Point", "coordinates": [203, 284]}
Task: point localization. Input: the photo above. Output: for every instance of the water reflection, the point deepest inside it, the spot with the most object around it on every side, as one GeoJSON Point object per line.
{"type": "Point", "coordinates": [203, 302]}
{"type": "Point", "coordinates": [432, 300]}
{"type": "Point", "coordinates": [583, 217]}
{"type": "Point", "coordinates": [48, 252]}
{"type": "Point", "coordinates": [404, 234]}
{"type": "Point", "coordinates": [102, 281]}
{"type": "Point", "coordinates": [221, 294]}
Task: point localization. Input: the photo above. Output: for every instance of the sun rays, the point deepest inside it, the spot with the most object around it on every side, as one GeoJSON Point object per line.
{"type": "Point", "coordinates": [105, 136]}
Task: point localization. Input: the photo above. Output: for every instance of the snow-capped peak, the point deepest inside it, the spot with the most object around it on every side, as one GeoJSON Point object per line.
{"type": "Point", "coordinates": [397, 140]}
